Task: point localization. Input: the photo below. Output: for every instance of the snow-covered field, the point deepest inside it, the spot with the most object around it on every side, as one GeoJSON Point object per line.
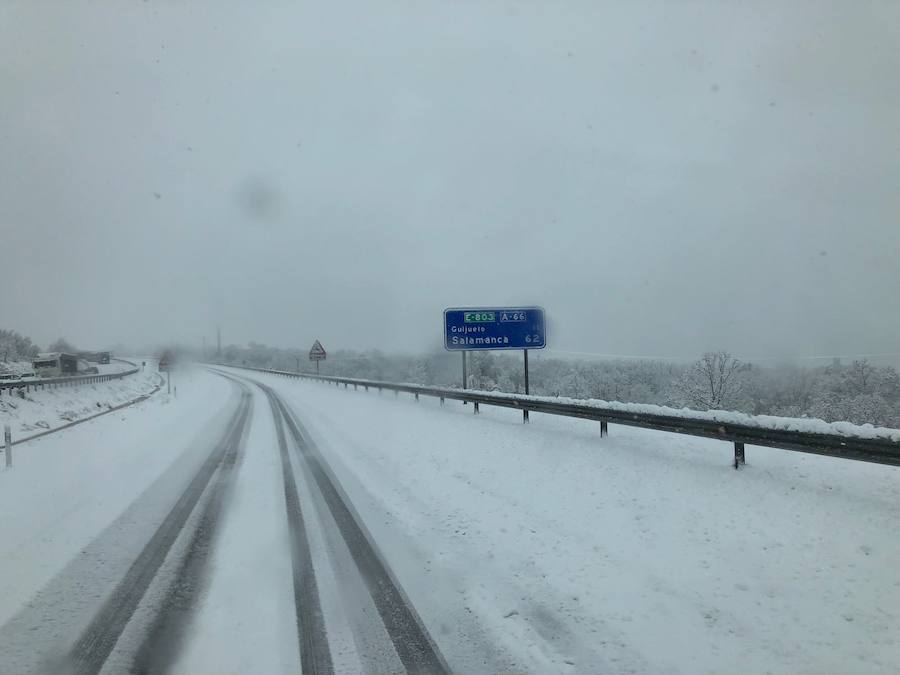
{"type": "Point", "coordinates": [537, 548]}
{"type": "Point", "coordinates": [42, 409]}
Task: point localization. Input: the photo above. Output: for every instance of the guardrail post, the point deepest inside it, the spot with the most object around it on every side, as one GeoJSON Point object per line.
{"type": "Point", "coordinates": [604, 430]}
{"type": "Point", "coordinates": [442, 400]}
{"type": "Point", "coordinates": [7, 439]}
{"type": "Point", "coordinates": [738, 454]}
{"type": "Point", "coordinates": [476, 407]}
{"type": "Point", "coordinates": [417, 396]}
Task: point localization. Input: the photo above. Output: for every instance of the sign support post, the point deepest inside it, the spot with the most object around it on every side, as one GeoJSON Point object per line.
{"type": "Point", "coordinates": [490, 328]}
{"type": "Point", "coordinates": [316, 353]}
{"type": "Point", "coordinates": [525, 412]}
{"type": "Point", "coordinates": [465, 376]}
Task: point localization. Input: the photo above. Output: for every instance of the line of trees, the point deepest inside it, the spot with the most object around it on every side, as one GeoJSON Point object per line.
{"type": "Point", "coordinates": [16, 347]}
{"type": "Point", "coordinates": [858, 392]}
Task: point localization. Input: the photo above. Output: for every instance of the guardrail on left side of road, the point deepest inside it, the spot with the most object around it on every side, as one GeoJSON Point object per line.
{"type": "Point", "coordinates": [54, 382]}
{"type": "Point", "coordinates": [139, 399]}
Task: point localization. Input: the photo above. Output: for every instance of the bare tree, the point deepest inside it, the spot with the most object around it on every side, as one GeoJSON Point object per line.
{"type": "Point", "coordinates": [713, 381]}
{"type": "Point", "coordinates": [858, 378]}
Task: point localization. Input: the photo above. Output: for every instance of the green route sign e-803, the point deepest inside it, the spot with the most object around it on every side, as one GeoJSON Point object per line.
{"type": "Point", "coordinates": [479, 317]}
{"type": "Point", "coordinates": [494, 328]}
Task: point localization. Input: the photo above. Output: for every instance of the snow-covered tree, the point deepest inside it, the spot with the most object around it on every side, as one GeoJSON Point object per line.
{"type": "Point", "coordinates": [16, 347]}
{"type": "Point", "coordinates": [713, 381]}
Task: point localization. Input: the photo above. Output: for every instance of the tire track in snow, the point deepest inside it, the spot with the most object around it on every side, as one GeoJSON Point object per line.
{"type": "Point", "coordinates": [160, 647]}
{"type": "Point", "coordinates": [95, 644]}
{"type": "Point", "coordinates": [315, 656]}
{"type": "Point", "coordinates": [414, 646]}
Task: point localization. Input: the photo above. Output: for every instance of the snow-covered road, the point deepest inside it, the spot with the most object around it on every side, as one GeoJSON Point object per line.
{"type": "Point", "coordinates": [545, 548]}
{"type": "Point", "coordinates": [362, 532]}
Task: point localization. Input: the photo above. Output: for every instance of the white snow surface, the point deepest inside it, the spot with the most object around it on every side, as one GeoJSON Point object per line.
{"type": "Point", "coordinates": [245, 622]}
{"type": "Point", "coordinates": [48, 408]}
{"type": "Point", "coordinates": [538, 548]}
{"type": "Point", "coordinates": [543, 548]}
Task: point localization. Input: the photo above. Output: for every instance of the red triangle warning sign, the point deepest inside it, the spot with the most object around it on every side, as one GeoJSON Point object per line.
{"type": "Point", "coordinates": [317, 353]}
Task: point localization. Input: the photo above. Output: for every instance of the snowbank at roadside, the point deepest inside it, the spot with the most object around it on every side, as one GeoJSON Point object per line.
{"type": "Point", "coordinates": [15, 367]}
{"type": "Point", "coordinates": [42, 409]}
{"type": "Point", "coordinates": [804, 424]}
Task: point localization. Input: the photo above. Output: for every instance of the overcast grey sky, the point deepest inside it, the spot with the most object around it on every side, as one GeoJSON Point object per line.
{"type": "Point", "coordinates": [663, 177]}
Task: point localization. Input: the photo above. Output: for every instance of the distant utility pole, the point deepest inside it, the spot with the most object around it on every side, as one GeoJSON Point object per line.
{"type": "Point", "coordinates": [218, 341]}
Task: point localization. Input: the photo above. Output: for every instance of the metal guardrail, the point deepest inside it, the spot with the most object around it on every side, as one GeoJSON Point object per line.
{"type": "Point", "coordinates": [876, 450]}
{"type": "Point", "coordinates": [82, 420]}
{"type": "Point", "coordinates": [54, 382]}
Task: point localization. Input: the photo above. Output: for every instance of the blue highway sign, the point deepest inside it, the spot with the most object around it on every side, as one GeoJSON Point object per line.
{"type": "Point", "coordinates": [471, 328]}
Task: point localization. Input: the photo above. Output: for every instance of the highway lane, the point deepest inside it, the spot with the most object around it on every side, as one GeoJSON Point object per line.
{"type": "Point", "coordinates": [196, 596]}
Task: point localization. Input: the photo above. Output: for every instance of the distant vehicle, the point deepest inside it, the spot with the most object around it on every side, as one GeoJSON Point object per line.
{"type": "Point", "coordinates": [96, 357]}
{"type": "Point", "coordinates": [166, 359]}
{"type": "Point", "coordinates": [56, 364]}
{"type": "Point", "coordinates": [86, 369]}
{"type": "Point", "coordinates": [20, 377]}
